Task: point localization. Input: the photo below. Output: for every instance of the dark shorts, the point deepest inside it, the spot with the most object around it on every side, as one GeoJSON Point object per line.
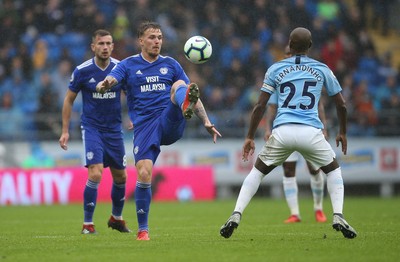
{"type": "Point", "coordinates": [165, 129]}
{"type": "Point", "coordinates": [104, 147]}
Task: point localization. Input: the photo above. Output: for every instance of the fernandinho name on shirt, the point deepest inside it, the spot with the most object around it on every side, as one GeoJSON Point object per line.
{"type": "Point", "coordinates": [107, 95]}
{"type": "Point", "coordinates": [305, 68]}
{"type": "Point", "coordinates": [152, 85]}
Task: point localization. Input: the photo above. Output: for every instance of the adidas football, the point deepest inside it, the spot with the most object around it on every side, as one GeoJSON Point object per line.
{"type": "Point", "coordinates": [198, 49]}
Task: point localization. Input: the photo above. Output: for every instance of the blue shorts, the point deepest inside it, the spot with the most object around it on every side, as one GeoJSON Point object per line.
{"type": "Point", "coordinates": [104, 147]}
{"type": "Point", "coordinates": [165, 129]}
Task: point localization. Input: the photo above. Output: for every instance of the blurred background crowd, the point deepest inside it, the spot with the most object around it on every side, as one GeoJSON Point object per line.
{"type": "Point", "coordinates": [42, 41]}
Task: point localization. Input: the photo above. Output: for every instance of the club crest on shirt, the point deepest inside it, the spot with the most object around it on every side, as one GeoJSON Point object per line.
{"type": "Point", "coordinates": [163, 70]}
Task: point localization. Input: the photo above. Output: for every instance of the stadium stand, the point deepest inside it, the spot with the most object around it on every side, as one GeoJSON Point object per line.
{"type": "Point", "coordinates": [361, 48]}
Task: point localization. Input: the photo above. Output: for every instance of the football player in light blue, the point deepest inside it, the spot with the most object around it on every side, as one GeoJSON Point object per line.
{"type": "Point", "coordinates": [297, 81]}
{"type": "Point", "coordinates": [101, 130]}
{"type": "Point", "coordinates": [160, 99]}
{"type": "Point", "coordinates": [290, 187]}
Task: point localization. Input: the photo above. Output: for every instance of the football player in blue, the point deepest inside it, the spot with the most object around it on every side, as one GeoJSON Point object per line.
{"type": "Point", "coordinates": [160, 100]}
{"type": "Point", "coordinates": [101, 127]}
{"type": "Point", "coordinates": [298, 82]}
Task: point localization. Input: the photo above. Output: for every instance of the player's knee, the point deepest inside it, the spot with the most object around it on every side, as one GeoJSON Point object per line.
{"type": "Point", "coordinates": [119, 176]}
{"type": "Point", "coordinates": [144, 175]}
{"type": "Point", "coordinates": [95, 173]}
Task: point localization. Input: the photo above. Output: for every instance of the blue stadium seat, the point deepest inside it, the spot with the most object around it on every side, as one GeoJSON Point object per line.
{"type": "Point", "coordinates": [53, 45]}
{"type": "Point", "coordinates": [77, 44]}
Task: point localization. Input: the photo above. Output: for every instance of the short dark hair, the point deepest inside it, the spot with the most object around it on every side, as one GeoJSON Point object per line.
{"type": "Point", "coordinates": [146, 25]}
{"type": "Point", "coordinates": [300, 40]}
{"type": "Point", "coordinates": [100, 32]}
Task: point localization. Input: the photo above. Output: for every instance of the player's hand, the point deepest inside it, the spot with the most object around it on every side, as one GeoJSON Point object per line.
{"type": "Point", "coordinates": [212, 131]}
{"type": "Point", "coordinates": [103, 86]}
{"type": "Point", "coordinates": [248, 149]}
{"type": "Point", "coordinates": [64, 141]}
{"type": "Point", "coordinates": [130, 125]}
{"type": "Point", "coordinates": [341, 138]}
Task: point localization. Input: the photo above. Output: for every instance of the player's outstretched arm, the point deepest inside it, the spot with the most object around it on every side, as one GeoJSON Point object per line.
{"type": "Point", "coordinates": [201, 113]}
{"type": "Point", "coordinates": [66, 117]}
{"type": "Point", "coordinates": [106, 84]}
{"type": "Point", "coordinates": [341, 111]}
{"type": "Point", "coordinates": [256, 116]}
{"type": "Point", "coordinates": [322, 116]}
{"type": "Point", "coordinates": [269, 118]}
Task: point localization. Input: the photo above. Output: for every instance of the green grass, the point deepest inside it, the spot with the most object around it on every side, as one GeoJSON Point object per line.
{"type": "Point", "coordinates": [190, 232]}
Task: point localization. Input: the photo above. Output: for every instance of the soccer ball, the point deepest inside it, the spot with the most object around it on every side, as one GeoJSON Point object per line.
{"type": "Point", "coordinates": [198, 49]}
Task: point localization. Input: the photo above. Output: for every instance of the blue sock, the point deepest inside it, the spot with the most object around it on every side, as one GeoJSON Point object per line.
{"type": "Point", "coordinates": [89, 200]}
{"type": "Point", "coordinates": [180, 95]}
{"type": "Point", "coordinates": [118, 198]}
{"type": "Point", "coordinates": [143, 199]}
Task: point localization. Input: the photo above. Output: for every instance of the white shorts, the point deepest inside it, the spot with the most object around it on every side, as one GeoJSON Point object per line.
{"type": "Point", "coordinates": [307, 140]}
{"type": "Point", "coordinates": [294, 157]}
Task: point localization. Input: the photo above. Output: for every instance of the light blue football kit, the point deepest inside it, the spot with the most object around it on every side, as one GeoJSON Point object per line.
{"type": "Point", "coordinates": [297, 82]}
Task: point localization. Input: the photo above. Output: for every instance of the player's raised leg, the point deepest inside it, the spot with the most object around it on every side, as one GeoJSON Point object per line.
{"type": "Point", "coordinates": [186, 96]}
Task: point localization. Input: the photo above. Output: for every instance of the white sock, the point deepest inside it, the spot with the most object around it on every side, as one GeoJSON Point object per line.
{"type": "Point", "coordinates": [336, 189]}
{"type": "Point", "coordinates": [291, 190]}
{"type": "Point", "coordinates": [317, 188]}
{"type": "Point", "coordinates": [249, 188]}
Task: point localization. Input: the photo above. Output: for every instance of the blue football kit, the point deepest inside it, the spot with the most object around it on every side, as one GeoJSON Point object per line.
{"type": "Point", "coordinates": [101, 122]}
{"type": "Point", "coordinates": [297, 82]}
{"type": "Point", "coordinates": [157, 121]}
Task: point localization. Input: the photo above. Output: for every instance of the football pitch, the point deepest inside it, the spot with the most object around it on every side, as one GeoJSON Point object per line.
{"type": "Point", "coordinates": [190, 232]}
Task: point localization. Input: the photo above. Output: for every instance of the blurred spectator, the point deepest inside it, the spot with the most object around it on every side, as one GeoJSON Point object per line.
{"type": "Point", "coordinates": [389, 121]}
{"type": "Point", "coordinates": [364, 110]}
{"type": "Point", "coordinates": [332, 52]}
{"type": "Point", "coordinates": [23, 92]}
{"type": "Point", "coordinates": [140, 10]}
{"type": "Point", "coordinates": [11, 118]}
{"type": "Point", "coordinates": [380, 13]}
{"type": "Point", "coordinates": [383, 93]}
{"type": "Point", "coordinates": [40, 55]}
{"type": "Point", "coordinates": [299, 15]}
{"type": "Point", "coordinates": [329, 11]}
{"type": "Point", "coordinates": [54, 17]}
{"type": "Point", "coordinates": [9, 21]}
{"type": "Point", "coordinates": [84, 13]}
{"type": "Point", "coordinates": [60, 77]}
{"type": "Point", "coordinates": [47, 116]}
